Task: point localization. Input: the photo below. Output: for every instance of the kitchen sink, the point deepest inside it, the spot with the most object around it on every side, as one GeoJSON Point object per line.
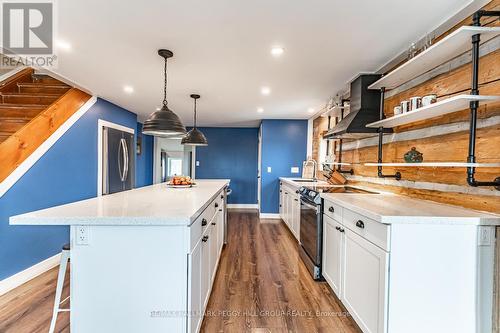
{"type": "Point", "coordinates": [304, 180]}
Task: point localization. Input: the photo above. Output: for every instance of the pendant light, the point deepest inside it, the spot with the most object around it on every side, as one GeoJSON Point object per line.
{"type": "Point", "coordinates": [164, 122]}
{"type": "Point", "coordinates": [194, 136]}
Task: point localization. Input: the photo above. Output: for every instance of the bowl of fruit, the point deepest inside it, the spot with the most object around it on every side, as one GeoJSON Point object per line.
{"type": "Point", "coordinates": [181, 182]}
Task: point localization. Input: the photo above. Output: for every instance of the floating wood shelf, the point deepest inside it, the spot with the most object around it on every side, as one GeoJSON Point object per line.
{"type": "Point", "coordinates": [449, 105]}
{"type": "Point", "coordinates": [337, 163]}
{"type": "Point", "coordinates": [438, 165]}
{"type": "Point", "coordinates": [335, 111]}
{"type": "Point", "coordinates": [453, 45]}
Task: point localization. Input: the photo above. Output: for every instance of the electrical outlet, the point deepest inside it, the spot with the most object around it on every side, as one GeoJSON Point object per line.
{"type": "Point", "coordinates": [268, 169]}
{"type": "Point", "coordinates": [82, 235]}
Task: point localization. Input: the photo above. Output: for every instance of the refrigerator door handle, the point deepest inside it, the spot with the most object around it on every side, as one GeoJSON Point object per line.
{"type": "Point", "coordinates": [121, 168]}
{"type": "Point", "coordinates": [125, 160]}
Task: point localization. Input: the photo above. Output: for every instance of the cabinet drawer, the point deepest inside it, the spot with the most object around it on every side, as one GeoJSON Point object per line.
{"type": "Point", "coordinates": [332, 210]}
{"type": "Point", "coordinates": [199, 226]}
{"type": "Point", "coordinates": [373, 231]}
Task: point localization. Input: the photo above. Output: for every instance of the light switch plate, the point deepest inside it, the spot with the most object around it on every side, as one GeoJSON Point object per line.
{"type": "Point", "coordinates": [485, 236]}
{"type": "Point", "coordinates": [197, 163]}
{"type": "Point", "coordinates": [268, 169]}
{"type": "Point", "coordinates": [294, 170]}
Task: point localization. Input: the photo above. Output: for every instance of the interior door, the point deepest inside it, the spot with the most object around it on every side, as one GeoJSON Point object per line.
{"type": "Point", "coordinates": [365, 290]}
{"type": "Point", "coordinates": [332, 254]}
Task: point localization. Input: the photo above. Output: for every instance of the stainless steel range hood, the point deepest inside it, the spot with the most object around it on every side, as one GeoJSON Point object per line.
{"type": "Point", "coordinates": [364, 109]}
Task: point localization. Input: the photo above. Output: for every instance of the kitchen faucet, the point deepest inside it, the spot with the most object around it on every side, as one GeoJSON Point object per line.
{"type": "Point", "coordinates": [315, 167]}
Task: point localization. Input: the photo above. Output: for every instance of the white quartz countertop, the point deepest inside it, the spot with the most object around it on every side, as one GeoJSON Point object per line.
{"type": "Point", "coordinates": [150, 205]}
{"type": "Point", "coordinates": [392, 208]}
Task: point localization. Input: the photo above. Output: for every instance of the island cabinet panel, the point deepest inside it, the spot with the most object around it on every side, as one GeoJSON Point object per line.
{"type": "Point", "coordinates": [129, 272]}
{"type": "Point", "coordinates": [204, 259]}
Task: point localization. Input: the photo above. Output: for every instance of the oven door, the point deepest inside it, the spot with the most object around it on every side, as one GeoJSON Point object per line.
{"type": "Point", "coordinates": [310, 229]}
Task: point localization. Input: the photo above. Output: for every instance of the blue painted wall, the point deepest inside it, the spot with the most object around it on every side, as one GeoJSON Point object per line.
{"type": "Point", "coordinates": [144, 161]}
{"type": "Point", "coordinates": [231, 153]}
{"type": "Point", "coordinates": [284, 145]}
{"type": "Point", "coordinates": [66, 173]}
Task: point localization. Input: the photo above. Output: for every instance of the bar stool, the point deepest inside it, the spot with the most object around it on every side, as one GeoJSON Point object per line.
{"type": "Point", "coordinates": [59, 288]}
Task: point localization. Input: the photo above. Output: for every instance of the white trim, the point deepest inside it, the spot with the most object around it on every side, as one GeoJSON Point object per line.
{"type": "Point", "coordinates": [29, 273]}
{"type": "Point", "coordinates": [310, 129]}
{"type": "Point", "coordinates": [100, 125]}
{"type": "Point", "coordinates": [259, 168]}
{"type": "Point", "coordinates": [269, 215]}
{"type": "Point", "coordinates": [8, 182]}
{"type": "Point", "coordinates": [242, 206]}
{"type": "Point", "coordinates": [12, 72]}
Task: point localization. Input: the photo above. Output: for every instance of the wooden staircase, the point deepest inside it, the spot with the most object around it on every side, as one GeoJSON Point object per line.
{"type": "Point", "coordinates": [32, 107]}
{"type": "Point", "coordinates": [23, 96]}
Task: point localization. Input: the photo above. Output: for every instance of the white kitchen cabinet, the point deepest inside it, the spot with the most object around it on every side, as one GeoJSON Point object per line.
{"type": "Point", "coordinates": [295, 223]}
{"type": "Point", "coordinates": [333, 245]}
{"type": "Point", "coordinates": [195, 302]}
{"type": "Point", "coordinates": [391, 275]}
{"type": "Point", "coordinates": [205, 269]}
{"type": "Point", "coordinates": [364, 292]}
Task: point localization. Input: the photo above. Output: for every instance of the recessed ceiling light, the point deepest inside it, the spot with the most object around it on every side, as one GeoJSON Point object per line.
{"type": "Point", "coordinates": [265, 91]}
{"type": "Point", "coordinates": [277, 51]}
{"type": "Point", "coordinates": [128, 89]}
{"type": "Point", "coordinates": [310, 110]}
{"type": "Point", "coordinates": [63, 45]}
{"type": "Point", "coordinates": [260, 110]}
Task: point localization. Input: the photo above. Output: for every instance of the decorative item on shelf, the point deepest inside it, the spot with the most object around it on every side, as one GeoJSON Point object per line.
{"type": "Point", "coordinates": [414, 156]}
{"type": "Point", "coordinates": [397, 110]}
{"type": "Point", "coordinates": [164, 122]}
{"type": "Point", "coordinates": [429, 39]}
{"type": "Point", "coordinates": [415, 102]}
{"type": "Point", "coordinates": [429, 99]}
{"type": "Point", "coordinates": [195, 137]}
{"type": "Point", "coordinates": [405, 106]}
{"type": "Point", "coordinates": [412, 51]}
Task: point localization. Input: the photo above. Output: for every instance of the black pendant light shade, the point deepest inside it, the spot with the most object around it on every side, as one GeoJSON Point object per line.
{"type": "Point", "coordinates": [164, 122]}
{"type": "Point", "coordinates": [194, 136]}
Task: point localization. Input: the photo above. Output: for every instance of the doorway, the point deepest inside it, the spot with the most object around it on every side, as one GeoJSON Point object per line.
{"type": "Point", "coordinates": [171, 158]}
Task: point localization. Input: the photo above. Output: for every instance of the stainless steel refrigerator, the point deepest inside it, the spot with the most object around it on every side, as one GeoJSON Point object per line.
{"type": "Point", "coordinates": [118, 161]}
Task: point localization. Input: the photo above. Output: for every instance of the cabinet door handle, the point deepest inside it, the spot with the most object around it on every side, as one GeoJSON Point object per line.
{"type": "Point", "coordinates": [338, 228]}
{"type": "Point", "coordinates": [296, 199]}
{"type": "Point", "coordinates": [360, 224]}
{"type": "Point", "coordinates": [216, 205]}
{"type": "Point", "coordinates": [213, 223]}
{"type": "Point", "coordinates": [220, 210]}
{"type": "Point", "coordinates": [204, 222]}
{"type": "Point", "coordinates": [204, 239]}
{"type": "Point", "coordinates": [342, 230]}
{"type": "Point", "coordinates": [331, 209]}
{"type": "Point", "coordinates": [297, 191]}
{"type": "Point", "coordinates": [222, 196]}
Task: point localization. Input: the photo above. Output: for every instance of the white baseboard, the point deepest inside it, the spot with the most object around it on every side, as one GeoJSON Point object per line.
{"type": "Point", "coordinates": [29, 273]}
{"type": "Point", "coordinates": [242, 206]}
{"type": "Point", "coordinates": [269, 215]}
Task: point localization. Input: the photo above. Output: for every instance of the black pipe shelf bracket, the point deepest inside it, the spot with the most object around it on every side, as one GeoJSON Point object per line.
{"type": "Point", "coordinates": [339, 167]}
{"type": "Point", "coordinates": [471, 158]}
{"type": "Point", "coordinates": [380, 172]}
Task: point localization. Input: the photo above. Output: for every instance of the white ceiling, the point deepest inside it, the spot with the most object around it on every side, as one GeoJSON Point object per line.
{"type": "Point", "coordinates": [222, 51]}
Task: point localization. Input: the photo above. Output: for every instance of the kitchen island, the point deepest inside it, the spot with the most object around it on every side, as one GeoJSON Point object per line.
{"type": "Point", "coordinates": [142, 260]}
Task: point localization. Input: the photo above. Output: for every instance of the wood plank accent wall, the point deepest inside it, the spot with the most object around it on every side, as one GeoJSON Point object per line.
{"type": "Point", "coordinates": [24, 142]}
{"type": "Point", "coordinates": [442, 148]}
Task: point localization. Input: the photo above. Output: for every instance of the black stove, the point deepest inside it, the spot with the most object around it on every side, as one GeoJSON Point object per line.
{"type": "Point", "coordinates": [311, 223]}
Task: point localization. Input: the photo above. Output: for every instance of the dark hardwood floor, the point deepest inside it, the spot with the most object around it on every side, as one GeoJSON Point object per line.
{"type": "Point", "coordinates": [262, 286]}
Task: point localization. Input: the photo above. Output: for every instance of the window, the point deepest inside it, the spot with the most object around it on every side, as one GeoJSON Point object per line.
{"type": "Point", "coordinates": [174, 166]}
